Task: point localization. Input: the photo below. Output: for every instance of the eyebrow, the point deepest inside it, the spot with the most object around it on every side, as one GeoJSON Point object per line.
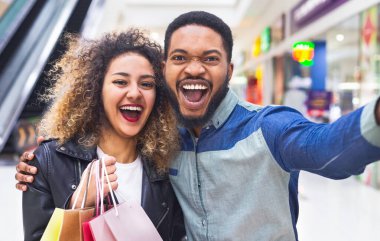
{"type": "Point", "coordinates": [211, 51]}
{"type": "Point", "coordinates": [144, 76]}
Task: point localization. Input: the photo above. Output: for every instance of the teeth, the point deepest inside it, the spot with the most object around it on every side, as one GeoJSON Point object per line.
{"type": "Point", "coordinates": [194, 87]}
{"type": "Point", "coordinates": [131, 108]}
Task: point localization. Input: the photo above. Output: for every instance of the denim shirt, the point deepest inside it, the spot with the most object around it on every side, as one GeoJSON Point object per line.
{"type": "Point", "coordinates": [238, 180]}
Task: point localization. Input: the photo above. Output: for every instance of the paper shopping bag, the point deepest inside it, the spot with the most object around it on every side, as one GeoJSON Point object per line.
{"type": "Point", "coordinates": [131, 223]}
{"type": "Point", "coordinates": [53, 229]}
{"type": "Point", "coordinates": [100, 230]}
{"type": "Point", "coordinates": [66, 224]}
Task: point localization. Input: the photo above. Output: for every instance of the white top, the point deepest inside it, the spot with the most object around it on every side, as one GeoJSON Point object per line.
{"type": "Point", "coordinates": [129, 179]}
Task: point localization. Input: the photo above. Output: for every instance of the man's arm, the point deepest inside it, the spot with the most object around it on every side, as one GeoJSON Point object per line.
{"type": "Point", "coordinates": [335, 150]}
{"type": "Point", "coordinates": [377, 112]}
{"type": "Point", "coordinates": [25, 172]}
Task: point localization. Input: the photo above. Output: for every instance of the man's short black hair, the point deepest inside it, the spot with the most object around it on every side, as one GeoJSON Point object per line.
{"type": "Point", "coordinates": [203, 19]}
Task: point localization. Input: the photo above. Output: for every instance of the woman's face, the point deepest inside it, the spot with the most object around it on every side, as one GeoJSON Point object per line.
{"type": "Point", "coordinates": [128, 94]}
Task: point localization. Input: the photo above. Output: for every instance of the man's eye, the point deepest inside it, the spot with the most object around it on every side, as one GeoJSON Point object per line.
{"type": "Point", "coordinates": [211, 60]}
{"type": "Point", "coordinates": [178, 58]}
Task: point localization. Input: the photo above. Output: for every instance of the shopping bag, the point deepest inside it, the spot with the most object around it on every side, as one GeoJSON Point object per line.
{"type": "Point", "coordinates": [66, 224]}
{"type": "Point", "coordinates": [124, 222]}
{"type": "Point", "coordinates": [131, 223]}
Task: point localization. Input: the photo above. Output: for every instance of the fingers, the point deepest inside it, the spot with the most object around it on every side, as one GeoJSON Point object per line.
{"type": "Point", "coordinates": [112, 178]}
{"type": "Point", "coordinates": [21, 187]}
{"type": "Point", "coordinates": [110, 169]}
{"type": "Point", "coordinates": [24, 178]}
{"type": "Point", "coordinates": [26, 156]}
{"type": "Point", "coordinates": [23, 167]}
{"type": "Point", "coordinates": [114, 186]}
{"type": "Point", "coordinates": [40, 139]}
{"type": "Point", "coordinates": [109, 160]}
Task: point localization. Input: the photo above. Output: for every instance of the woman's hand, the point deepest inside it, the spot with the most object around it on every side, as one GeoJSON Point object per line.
{"type": "Point", "coordinates": [91, 192]}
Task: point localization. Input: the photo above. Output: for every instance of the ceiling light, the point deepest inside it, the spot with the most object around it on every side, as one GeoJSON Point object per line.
{"type": "Point", "coordinates": [339, 37]}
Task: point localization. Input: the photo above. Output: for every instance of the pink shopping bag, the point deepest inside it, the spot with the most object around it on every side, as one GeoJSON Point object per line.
{"type": "Point", "coordinates": [131, 223]}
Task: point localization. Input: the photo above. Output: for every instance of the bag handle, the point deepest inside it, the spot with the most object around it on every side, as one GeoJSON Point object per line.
{"type": "Point", "coordinates": [81, 186]}
{"type": "Point", "coordinates": [104, 173]}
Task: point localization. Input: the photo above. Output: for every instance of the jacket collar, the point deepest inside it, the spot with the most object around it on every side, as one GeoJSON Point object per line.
{"type": "Point", "coordinates": [75, 150]}
{"type": "Point", "coordinates": [151, 171]}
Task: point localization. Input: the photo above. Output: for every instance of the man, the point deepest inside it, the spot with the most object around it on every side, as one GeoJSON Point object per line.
{"type": "Point", "coordinates": [237, 173]}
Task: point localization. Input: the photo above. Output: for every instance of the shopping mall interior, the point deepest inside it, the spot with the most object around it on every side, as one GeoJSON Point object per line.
{"type": "Point", "coordinates": [320, 57]}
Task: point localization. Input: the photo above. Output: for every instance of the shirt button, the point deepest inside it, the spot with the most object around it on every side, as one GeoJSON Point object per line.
{"type": "Point", "coordinates": [73, 187]}
{"type": "Point", "coordinates": [62, 148]}
{"type": "Point", "coordinates": [204, 222]}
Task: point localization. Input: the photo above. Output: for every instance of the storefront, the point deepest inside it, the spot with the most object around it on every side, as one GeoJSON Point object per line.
{"type": "Point", "coordinates": [344, 73]}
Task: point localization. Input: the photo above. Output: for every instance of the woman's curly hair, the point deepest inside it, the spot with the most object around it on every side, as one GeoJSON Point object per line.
{"type": "Point", "coordinates": [77, 111]}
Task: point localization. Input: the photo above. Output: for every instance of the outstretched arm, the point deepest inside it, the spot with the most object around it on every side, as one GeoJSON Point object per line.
{"type": "Point", "coordinates": [377, 114]}
{"type": "Point", "coordinates": [335, 150]}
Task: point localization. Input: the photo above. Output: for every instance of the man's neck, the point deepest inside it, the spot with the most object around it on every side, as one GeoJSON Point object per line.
{"type": "Point", "coordinates": [197, 131]}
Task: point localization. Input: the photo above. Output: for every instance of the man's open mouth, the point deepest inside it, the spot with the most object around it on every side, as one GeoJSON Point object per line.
{"type": "Point", "coordinates": [194, 93]}
{"type": "Point", "coordinates": [131, 112]}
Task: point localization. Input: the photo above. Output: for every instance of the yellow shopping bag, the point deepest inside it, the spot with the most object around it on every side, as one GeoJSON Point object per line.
{"type": "Point", "coordinates": [66, 225]}
{"type": "Point", "coordinates": [53, 228]}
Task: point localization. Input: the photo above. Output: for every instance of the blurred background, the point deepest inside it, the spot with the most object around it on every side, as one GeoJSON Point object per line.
{"type": "Point", "coordinates": [321, 57]}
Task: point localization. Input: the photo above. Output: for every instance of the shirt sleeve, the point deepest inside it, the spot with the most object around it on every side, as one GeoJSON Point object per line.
{"type": "Point", "coordinates": [335, 150]}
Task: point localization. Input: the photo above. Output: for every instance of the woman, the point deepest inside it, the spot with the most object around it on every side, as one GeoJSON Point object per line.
{"type": "Point", "coordinates": [108, 98]}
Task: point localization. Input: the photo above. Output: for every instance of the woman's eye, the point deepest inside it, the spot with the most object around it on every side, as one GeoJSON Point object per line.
{"type": "Point", "coordinates": [148, 85]}
{"type": "Point", "coordinates": [120, 82]}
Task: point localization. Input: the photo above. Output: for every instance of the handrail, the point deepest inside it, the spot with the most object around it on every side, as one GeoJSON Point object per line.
{"type": "Point", "coordinates": [30, 61]}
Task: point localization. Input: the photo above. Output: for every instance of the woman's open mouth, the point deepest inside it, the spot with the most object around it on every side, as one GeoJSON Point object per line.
{"type": "Point", "coordinates": [131, 113]}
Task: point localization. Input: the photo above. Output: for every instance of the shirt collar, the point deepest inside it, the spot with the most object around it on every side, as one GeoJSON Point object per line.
{"type": "Point", "coordinates": [224, 109]}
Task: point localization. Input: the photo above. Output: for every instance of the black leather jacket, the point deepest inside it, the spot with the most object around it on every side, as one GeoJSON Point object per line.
{"type": "Point", "coordinates": [59, 173]}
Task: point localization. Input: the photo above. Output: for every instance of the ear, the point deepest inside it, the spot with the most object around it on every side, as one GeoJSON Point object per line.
{"type": "Point", "coordinates": [230, 70]}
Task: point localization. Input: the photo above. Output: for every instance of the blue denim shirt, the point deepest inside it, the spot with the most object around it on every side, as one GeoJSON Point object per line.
{"type": "Point", "coordinates": [238, 181]}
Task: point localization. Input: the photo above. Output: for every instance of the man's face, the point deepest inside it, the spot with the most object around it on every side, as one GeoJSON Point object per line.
{"type": "Point", "coordinates": [197, 73]}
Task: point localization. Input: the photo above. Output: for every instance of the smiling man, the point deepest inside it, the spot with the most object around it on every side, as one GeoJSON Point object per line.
{"type": "Point", "coordinates": [236, 175]}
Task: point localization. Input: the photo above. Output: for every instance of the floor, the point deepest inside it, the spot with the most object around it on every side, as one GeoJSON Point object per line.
{"type": "Point", "coordinates": [329, 210]}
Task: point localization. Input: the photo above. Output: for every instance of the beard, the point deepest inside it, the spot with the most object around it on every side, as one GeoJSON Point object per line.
{"type": "Point", "coordinates": [194, 122]}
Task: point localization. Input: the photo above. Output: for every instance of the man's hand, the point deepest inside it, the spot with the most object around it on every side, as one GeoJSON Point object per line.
{"type": "Point", "coordinates": [24, 171]}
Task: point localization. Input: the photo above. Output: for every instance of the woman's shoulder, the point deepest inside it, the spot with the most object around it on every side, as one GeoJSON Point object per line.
{"type": "Point", "coordinates": [46, 146]}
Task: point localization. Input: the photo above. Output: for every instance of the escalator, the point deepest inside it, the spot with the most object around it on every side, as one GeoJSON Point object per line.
{"type": "Point", "coordinates": [30, 33]}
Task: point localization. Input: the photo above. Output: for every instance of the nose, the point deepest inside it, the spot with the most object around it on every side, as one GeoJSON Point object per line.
{"type": "Point", "coordinates": [133, 91]}
{"type": "Point", "coordinates": [195, 67]}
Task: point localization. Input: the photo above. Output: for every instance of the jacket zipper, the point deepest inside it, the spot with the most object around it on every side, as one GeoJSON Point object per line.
{"type": "Point", "coordinates": [163, 217]}
{"type": "Point", "coordinates": [79, 171]}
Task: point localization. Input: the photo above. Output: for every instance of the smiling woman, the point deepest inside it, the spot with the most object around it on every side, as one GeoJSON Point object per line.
{"type": "Point", "coordinates": [107, 100]}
